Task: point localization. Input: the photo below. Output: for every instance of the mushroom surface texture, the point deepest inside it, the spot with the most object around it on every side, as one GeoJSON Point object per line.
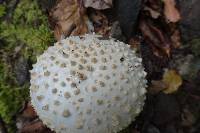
{"type": "Point", "coordinates": [88, 84]}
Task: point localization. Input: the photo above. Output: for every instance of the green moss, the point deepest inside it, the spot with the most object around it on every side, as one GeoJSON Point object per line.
{"type": "Point", "coordinates": [2, 10]}
{"type": "Point", "coordinates": [11, 96]}
{"type": "Point", "coordinates": [28, 27]}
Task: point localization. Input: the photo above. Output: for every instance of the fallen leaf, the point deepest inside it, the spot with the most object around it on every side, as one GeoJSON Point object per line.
{"type": "Point", "coordinates": [170, 11]}
{"type": "Point", "coordinates": [173, 80]}
{"type": "Point", "coordinates": [69, 17]}
{"type": "Point", "coordinates": [156, 38]}
{"type": "Point", "coordinates": [26, 117]}
{"type": "Point", "coordinates": [176, 39]}
{"type": "Point", "coordinates": [29, 111]}
{"type": "Point", "coordinates": [161, 35]}
{"type": "Point", "coordinates": [153, 64]}
{"type": "Point", "coordinates": [154, 14]}
{"type": "Point", "coordinates": [170, 83]}
{"type": "Point", "coordinates": [157, 86]}
{"type": "Point", "coordinates": [35, 127]}
{"type": "Point", "coordinates": [100, 23]}
{"type": "Point", "coordinates": [98, 4]}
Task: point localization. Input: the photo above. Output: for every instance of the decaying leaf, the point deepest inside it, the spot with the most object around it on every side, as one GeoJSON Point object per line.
{"type": "Point", "coordinates": [170, 11]}
{"type": "Point", "coordinates": [28, 122]}
{"type": "Point", "coordinates": [173, 80]}
{"type": "Point", "coordinates": [98, 4]}
{"type": "Point", "coordinates": [161, 35]}
{"type": "Point", "coordinates": [35, 127]}
{"type": "Point", "coordinates": [154, 14]}
{"type": "Point", "coordinates": [159, 41]}
{"type": "Point", "coordinates": [176, 39]}
{"type": "Point", "coordinates": [100, 23]}
{"type": "Point", "coordinates": [69, 17]}
{"type": "Point", "coordinates": [170, 83]}
{"type": "Point", "coordinates": [157, 86]}
{"type": "Point", "coordinates": [29, 111]}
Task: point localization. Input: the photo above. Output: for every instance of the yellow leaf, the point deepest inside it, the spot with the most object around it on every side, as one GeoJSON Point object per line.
{"type": "Point", "coordinates": [173, 80]}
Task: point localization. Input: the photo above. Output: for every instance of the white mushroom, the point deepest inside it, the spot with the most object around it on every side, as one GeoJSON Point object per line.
{"type": "Point", "coordinates": [88, 85]}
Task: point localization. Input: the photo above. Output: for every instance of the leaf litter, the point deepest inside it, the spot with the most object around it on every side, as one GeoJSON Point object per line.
{"type": "Point", "coordinates": [157, 28]}
{"type": "Point", "coordinates": [69, 17]}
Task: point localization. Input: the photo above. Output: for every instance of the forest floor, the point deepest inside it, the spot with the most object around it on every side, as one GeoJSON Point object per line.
{"type": "Point", "coordinates": [165, 33]}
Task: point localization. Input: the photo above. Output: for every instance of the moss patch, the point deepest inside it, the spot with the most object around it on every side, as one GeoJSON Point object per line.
{"type": "Point", "coordinates": [11, 97]}
{"type": "Point", "coordinates": [27, 27]}
{"type": "Point", "coordinates": [2, 10]}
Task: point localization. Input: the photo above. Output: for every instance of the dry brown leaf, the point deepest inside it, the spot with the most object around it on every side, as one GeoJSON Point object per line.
{"type": "Point", "coordinates": [154, 36]}
{"type": "Point", "coordinates": [98, 4]}
{"type": "Point", "coordinates": [154, 14]}
{"type": "Point", "coordinates": [173, 80]}
{"type": "Point", "coordinates": [100, 22]}
{"type": "Point", "coordinates": [35, 127]}
{"type": "Point", "coordinates": [69, 17]}
{"type": "Point", "coordinates": [170, 11]}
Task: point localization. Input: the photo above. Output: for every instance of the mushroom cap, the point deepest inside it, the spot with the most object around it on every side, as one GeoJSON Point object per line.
{"type": "Point", "coordinates": [86, 84]}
